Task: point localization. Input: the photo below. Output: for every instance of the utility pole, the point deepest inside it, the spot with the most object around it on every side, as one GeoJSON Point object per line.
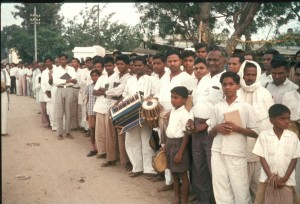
{"type": "Point", "coordinates": [35, 19]}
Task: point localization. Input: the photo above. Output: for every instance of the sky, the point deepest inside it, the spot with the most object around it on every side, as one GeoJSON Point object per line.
{"type": "Point", "coordinates": [124, 13]}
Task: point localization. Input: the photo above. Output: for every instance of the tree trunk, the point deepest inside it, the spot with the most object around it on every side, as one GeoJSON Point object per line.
{"type": "Point", "coordinates": [242, 19]}
{"type": "Point", "coordinates": [206, 36]}
{"type": "Point", "coordinates": [248, 38]}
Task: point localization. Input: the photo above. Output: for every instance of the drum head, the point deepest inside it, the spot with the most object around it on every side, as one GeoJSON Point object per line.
{"type": "Point", "coordinates": [160, 162]}
{"type": "Point", "coordinates": [150, 104]}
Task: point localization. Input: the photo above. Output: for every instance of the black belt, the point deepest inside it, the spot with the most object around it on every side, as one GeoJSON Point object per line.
{"type": "Point", "coordinates": [64, 86]}
{"type": "Point", "coordinates": [75, 87]}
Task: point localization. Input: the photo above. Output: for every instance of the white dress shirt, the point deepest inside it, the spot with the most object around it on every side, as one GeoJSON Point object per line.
{"type": "Point", "coordinates": [292, 100]}
{"type": "Point", "coordinates": [277, 92]}
{"type": "Point", "coordinates": [45, 86]}
{"type": "Point", "coordinates": [102, 103]}
{"type": "Point", "coordinates": [264, 79]}
{"type": "Point", "coordinates": [134, 85]}
{"type": "Point", "coordinates": [117, 85]}
{"type": "Point", "coordinates": [278, 153]}
{"type": "Point", "coordinates": [177, 122]}
{"type": "Point", "coordinates": [59, 72]}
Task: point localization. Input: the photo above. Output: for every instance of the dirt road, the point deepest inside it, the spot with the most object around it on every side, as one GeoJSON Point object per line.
{"type": "Point", "coordinates": [59, 172]}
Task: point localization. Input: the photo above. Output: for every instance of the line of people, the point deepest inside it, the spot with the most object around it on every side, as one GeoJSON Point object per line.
{"type": "Point", "coordinates": [215, 162]}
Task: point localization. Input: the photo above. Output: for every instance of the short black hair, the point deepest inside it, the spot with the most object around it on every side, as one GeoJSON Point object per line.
{"type": "Point", "coordinates": [241, 58]}
{"type": "Point", "coordinates": [233, 75]}
{"type": "Point", "coordinates": [160, 56]}
{"type": "Point", "coordinates": [63, 55]}
{"type": "Point", "coordinates": [188, 53]}
{"type": "Point", "coordinates": [98, 59]}
{"type": "Point", "coordinates": [108, 59]}
{"type": "Point", "coordinates": [298, 52]}
{"type": "Point", "coordinates": [200, 45]}
{"type": "Point", "coordinates": [200, 60]}
{"type": "Point", "coordinates": [280, 61]}
{"type": "Point", "coordinates": [297, 66]}
{"type": "Point", "coordinates": [74, 58]}
{"type": "Point", "coordinates": [95, 71]}
{"type": "Point", "coordinates": [88, 59]}
{"type": "Point", "coordinates": [117, 52]}
{"type": "Point", "coordinates": [220, 49]}
{"type": "Point", "coordinates": [140, 58]}
{"type": "Point", "coordinates": [133, 55]}
{"type": "Point", "coordinates": [277, 110]}
{"type": "Point", "coordinates": [48, 57]}
{"type": "Point", "coordinates": [123, 58]}
{"type": "Point", "coordinates": [181, 91]}
{"type": "Point", "coordinates": [272, 52]}
{"type": "Point", "coordinates": [172, 52]}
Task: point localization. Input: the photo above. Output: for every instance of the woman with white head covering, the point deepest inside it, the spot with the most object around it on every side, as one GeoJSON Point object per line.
{"type": "Point", "coordinates": [260, 98]}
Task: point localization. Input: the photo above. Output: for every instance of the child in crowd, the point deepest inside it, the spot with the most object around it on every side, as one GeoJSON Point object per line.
{"type": "Point", "coordinates": [278, 149]}
{"type": "Point", "coordinates": [229, 149]}
{"type": "Point", "coordinates": [176, 143]}
{"type": "Point", "coordinates": [91, 115]}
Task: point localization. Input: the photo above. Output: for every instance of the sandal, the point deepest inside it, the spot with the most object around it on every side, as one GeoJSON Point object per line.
{"type": "Point", "coordinates": [91, 153]}
{"type": "Point", "coordinates": [166, 188]}
{"type": "Point", "coordinates": [60, 137]}
{"type": "Point", "coordinates": [69, 136]}
{"type": "Point", "coordinates": [135, 174]}
{"type": "Point", "coordinates": [158, 178]}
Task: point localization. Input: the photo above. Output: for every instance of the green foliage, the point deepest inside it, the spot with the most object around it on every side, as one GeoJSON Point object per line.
{"type": "Point", "coordinates": [288, 38]}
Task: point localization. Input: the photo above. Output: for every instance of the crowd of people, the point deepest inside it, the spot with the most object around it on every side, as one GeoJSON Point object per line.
{"type": "Point", "coordinates": [229, 125]}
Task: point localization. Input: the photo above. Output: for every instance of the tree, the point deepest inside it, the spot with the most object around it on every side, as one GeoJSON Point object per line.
{"type": "Point", "coordinates": [244, 17]}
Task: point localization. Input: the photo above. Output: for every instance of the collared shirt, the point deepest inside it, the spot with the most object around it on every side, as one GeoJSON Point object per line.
{"type": "Point", "coordinates": [92, 99]}
{"type": "Point", "coordinates": [21, 72]}
{"type": "Point", "coordinates": [102, 103]}
{"type": "Point", "coordinates": [134, 85]}
{"type": "Point", "coordinates": [83, 84]}
{"type": "Point", "coordinates": [292, 100]}
{"type": "Point", "coordinates": [117, 85]}
{"type": "Point", "coordinates": [5, 78]}
{"type": "Point", "coordinates": [277, 92]}
{"type": "Point", "coordinates": [264, 79]}
{"type": "Point", "coordinates": [167, 84]}
{"type": "Point", "coordinates": [45, 86]}
{"type": "Point", "coordinates": [39, 91]}
{"type": "Point", "coordinates": [177, 122]}
{"type": "Point", "coordinates": [79, 72]}
{"type": "Point", "coordinates": [234, 144]}
{"type": "Point", "coordinates": [278, 153]}
{"type": "Point", "coordinates": [59, 72]}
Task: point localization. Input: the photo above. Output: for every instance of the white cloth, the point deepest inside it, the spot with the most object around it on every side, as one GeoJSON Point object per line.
{"type": "Point", "coordinates": [208, 93]}
{"type": "Point", "coordinates": [59, 72]}
{"type": "Point", "coordinates": [278, 153]}
{"type": "Point", "coordinates": [277, 92]}
{"type": "Point", "coordinates": [79, 72]}
{"type": "Point", "coordinates": [13, 71]}
{"type": "Point", "coordinates": [4, 102]}
{"type": "Point", "coordinates": [39, 92]}
{"type": "Point", "coordinates": [102, 103]}
{"type": "Point", "coordinates": [45, 86]}
{"type": "Point", "coordinates": [167, 84]}
{"type": "Point", "coordinates": [117, 85]}
{"type": "Point", "coordinates": [134, 85]}
{"type": "Point", "coordinates": [229, 177]}
{"type": "Point", "coordinates": [235, 144]}
{"type": "Point", "coordinates": [82, 84]}
{"type": "Point", "coordinates": [22, 72]}
{"type": "Point", "coordinates": [260, 99]}
{"type": "Point", "coordinates": [177, 122]}
{"type": "Point", "coordinates": [138, 149]}
{"type": "Point", "coordinates": [264, 79]}
{"type": "Point", "coordinates": [292, 100]}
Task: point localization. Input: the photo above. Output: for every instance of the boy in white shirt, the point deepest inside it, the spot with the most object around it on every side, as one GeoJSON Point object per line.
{"type": "Point", "coordinates": [229, 149]}
{"type": "Point", "coordinates": [178, 159]}
{"type": "Point", "coordinates": [278, 149]}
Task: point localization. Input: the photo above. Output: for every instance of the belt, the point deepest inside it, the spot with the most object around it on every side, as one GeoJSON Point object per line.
{"type": "Point", "coordinates": [74, 87]}
{"type": "Point", "coordinates": [60, 86]}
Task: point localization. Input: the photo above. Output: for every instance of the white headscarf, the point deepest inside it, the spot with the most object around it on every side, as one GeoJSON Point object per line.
{"type": "Point", "coordinates": [256, 84]}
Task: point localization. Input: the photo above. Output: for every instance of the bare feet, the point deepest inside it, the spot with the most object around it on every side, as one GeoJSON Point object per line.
{"type": "Point", "coordinates": [60, 137]}
{"type": "Point", "coordinates": [165, 188]}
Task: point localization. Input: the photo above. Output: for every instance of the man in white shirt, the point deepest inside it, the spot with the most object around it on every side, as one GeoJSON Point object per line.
{"type": "Point", "coordinates": [137, 139]}
{"type": "Point", "coordinates": [28, 79]}
{"type": "Point", "coordinates": [207, 94]}
{"type": "Point", "coordinates": [64, 77]}
{"type": "Point", "coordinates": [116, 88]}
{"type": "Point", "coordinates": [46, 88]}
{"type": "Point", "coordinates": [188, 60]}
{"type": "Point", "coordinates": [76, 109]}
{"type": "Point", "coordinates": [5, 84]}
{"type": "Point", "coordinates": [12, 73]}
{"type": "Point", "coordinates": [35, 72]}
{"type": "Point", "coordinates": [22, 79]}
{"type": "Point", "coordinates": [266, 76]}
{"type": "Point", "coordinates": [280, 83]}
{"type": "Point", "coordinates": [235, 62]}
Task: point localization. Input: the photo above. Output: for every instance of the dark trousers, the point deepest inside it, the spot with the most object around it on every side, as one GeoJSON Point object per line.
{"type": "Point", "coordinates": [13, 89]}
{"type": "Point", "coordinates": [202, 177]}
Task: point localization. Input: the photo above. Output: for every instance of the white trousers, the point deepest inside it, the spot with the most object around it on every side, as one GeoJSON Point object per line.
{"type": "Point", "coordinates": [138, 149]}
{"type": "Point", "coordinates": [297, 174]}
{"type": "Point", "coordinates": [230, 179]}
{"type": "Point", "coordinates": [84, 122]}
{"type": "Point", "coordinates": [18, 86]}
{"type": "Point", "coordinates": [4, 112]}
{"type": "Point", "coordinates": [254, 169]}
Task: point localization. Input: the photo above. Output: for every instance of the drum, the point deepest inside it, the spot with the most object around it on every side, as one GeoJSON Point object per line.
{"type": "Point", "coordinates": [150, 112]}
{"type": "Point", "coordinates": [295, 127]}
{"type": "Point", "coordinates": [159, 162]}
